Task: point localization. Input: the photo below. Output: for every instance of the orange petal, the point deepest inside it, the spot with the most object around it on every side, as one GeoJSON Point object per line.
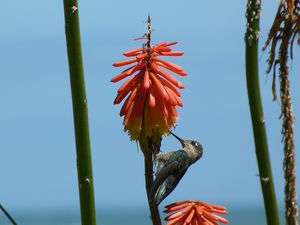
{"type": "Point", "coordinates": [128, 84]}
{"type": "Point", "coordinates": [128, 102]}
{"type": "Point", "coordinates": [146, 81]}
{"type": "Point", "coordinates": [171, 95]}
{"type": "Point", "coordinates": [194, 221]}
{"type": "Point", "coordinates": [151, 99]}
{"type": "Point", "coordinates": [127, 73]}
{"type": "Point", "coordinates": [173, 69]}
{"type": "Point", "coordinates": [169, 85]}
{"type": "Point", "coordinates": [177, 220]}
{"type": "Point", "coordinates": [132, 52]}
{"type": "Point", "coordinates": [174, 216]}
{"type": "Point", "coordinates": [178, 203]}
{"type": "Point", "coordinates": [175, 53]}
{"type": "Point", "coordinates": [142, 56]}
{"type": "Point", "coordinates": [175, 208]}
{"type": "Point", "coordinates": [167, 76]}
{"type": "Point", "coordinates": [221, 219]}
{"type": "Point", "coordinates": [190, 217]}
{"type": "Point", "coordinates": [124, 62]}
{"type": "Point", "coordinates": [159, 87]}
{"type": "Point", "coordinates": [167, 63]}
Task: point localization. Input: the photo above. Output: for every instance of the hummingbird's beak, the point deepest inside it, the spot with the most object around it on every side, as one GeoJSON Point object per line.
{"type": "Point", "coordinates": [178, 138]}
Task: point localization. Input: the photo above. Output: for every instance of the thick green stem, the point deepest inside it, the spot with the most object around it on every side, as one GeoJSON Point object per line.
{"type": "Point", "coordinates": [80, 112]}
{"type": "Point", "coordinates": [258, 122]}
{"type": "Point", "coordinates": [149, 147]}
{"type": "Point", "coordinates": [149, 181]}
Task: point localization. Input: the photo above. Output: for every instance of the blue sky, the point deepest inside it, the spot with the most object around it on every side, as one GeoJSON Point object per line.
{"type": "Point", "coordinates": [38, 164]}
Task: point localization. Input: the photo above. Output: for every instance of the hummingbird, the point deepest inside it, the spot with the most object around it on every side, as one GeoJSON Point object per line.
{"type": "Point", "coordinates": [171, 167]}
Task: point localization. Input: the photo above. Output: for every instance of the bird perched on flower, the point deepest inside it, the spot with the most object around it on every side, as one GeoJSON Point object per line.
{"type": "Point", "coordinates": [171, 167]}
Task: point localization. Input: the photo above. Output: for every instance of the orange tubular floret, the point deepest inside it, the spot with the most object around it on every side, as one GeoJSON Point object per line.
{"type": "Point", "coordinates": [124, 62]}
{"type": "Point", "coordinates": [172, 98]}
{"type": "Point", "coordinates": [132, 52]}
{"type": "Point", "coordinates": [142, 56]}
{"type": "Point", "coordinates": [174, 216]}
{"type": "Point", "coordinates": [169, 85]}
{"type": "Point", "coordinates": [178, 203]}
{"type": "Point", "coordinates": [194, 221]}
{"type": "Point", "coordinates": [175, 53]}
{"type": "Point", "coordinates": [128, 84]}
{"type": "Point", "coordinates": [146, 81]}
{"type": "Point", "coordinates": [221, 219]}
{"type": "Point", "coordinates": [140, 101]}
{"type": "Point", "coordinates": [167, 63]}
{"type": "Point", "coordinates": [151, 98]}
{"type": "Point", "coordinates": [177, 220]}
{"type": "Point", "coordinates": [175, 208]}
{"type": "Point", "coordinates": [167, 76]}
{"type": "Point", "coordinates": [190, 217]}
{"type": "Point", "coordinates": [127, 73]}
{"type": "Point", "coordinates": [181, 73]}
{"type": "Point", "coordinates": [161, 49]}
{"type": "Point", "coordinates": [159, 87]}
{"type": "Point", "coordinates": [208, 215]}
{"type": "Point", "coordinates": [170, 66]}
{"type": "Point", "coordinates": [128, 102]}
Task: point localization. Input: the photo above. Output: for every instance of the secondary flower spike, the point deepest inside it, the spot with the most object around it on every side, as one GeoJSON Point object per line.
{"type": "Point", "coordinates": [151, 92]}
{"type": "Point", "coordinates": [190, 212]}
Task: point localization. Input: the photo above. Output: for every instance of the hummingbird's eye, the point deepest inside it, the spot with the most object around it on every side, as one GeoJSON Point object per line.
{"type": "Point", "coordinates": [194, 143]}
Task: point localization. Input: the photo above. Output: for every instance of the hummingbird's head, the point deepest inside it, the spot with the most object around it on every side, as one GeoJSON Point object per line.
{"type": "Point", "coordinates": [190, 145]}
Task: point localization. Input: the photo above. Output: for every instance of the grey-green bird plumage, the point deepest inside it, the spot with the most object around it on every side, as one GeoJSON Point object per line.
{"type": "Point", "coordinates": [171, 167]}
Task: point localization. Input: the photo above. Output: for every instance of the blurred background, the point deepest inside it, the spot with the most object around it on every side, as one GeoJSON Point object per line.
{"type": "Point", "coordinates": [38, 174]}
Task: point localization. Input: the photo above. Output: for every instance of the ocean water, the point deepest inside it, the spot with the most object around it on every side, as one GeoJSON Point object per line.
{"type": "Point", "coordinates": [237, 215]}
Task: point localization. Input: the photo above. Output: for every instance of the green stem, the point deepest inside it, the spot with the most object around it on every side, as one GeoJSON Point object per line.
{"type": "Point", "coordinates": [258, 122]}
{"type": "Point", "coordinates": [149, 146]}
{"type": "Point", "coordinates": [155, 217]}
{"type": "Point", "coordinates": [80, 113]}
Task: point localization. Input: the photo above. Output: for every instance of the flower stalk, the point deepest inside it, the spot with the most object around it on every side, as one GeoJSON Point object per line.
{"type": "Point", "coordinates": [256, 109]}
{"type": "Point", "coordinates": [80, 113]}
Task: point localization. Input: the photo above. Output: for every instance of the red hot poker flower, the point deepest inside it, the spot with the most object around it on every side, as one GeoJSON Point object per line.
{"type": "Point", "coordinates": [190, 212]}
{"type": "Point", "coordinates": [151, 91]}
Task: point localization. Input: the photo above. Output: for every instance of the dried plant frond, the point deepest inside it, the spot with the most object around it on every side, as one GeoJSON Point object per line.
{"type": "Point", "coordinates": [283, 33]}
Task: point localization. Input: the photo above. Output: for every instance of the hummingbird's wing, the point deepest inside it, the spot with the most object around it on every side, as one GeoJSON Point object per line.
{"type": "Point", "coordinates": [169, 176]}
